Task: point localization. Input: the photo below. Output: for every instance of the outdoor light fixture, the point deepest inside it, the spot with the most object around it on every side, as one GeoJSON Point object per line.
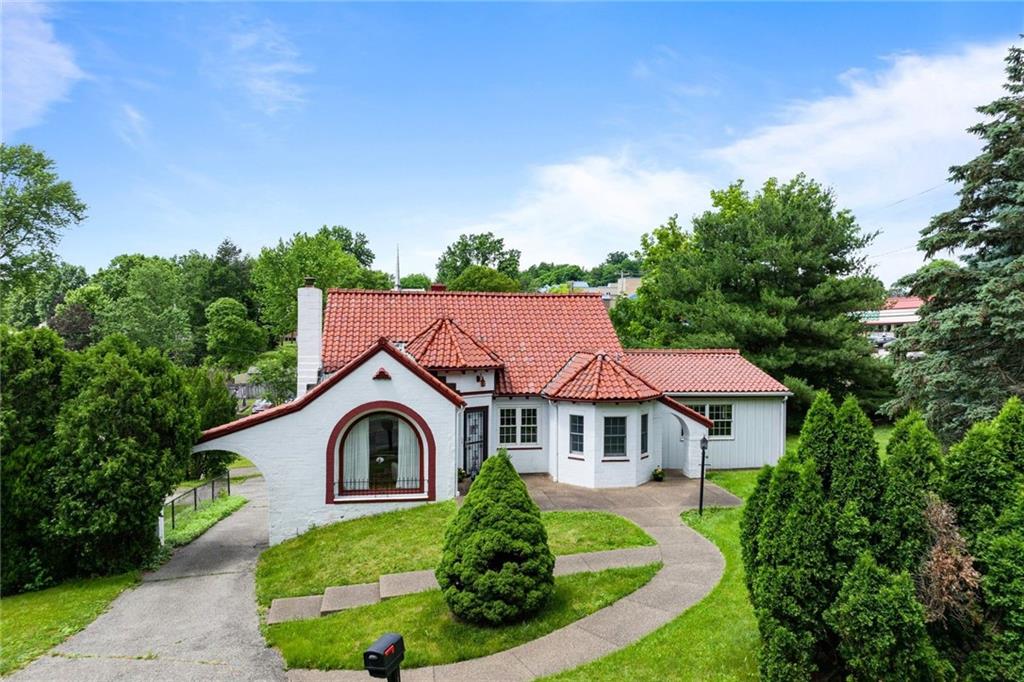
{"type": "Point", "coordinates": [703, 458]}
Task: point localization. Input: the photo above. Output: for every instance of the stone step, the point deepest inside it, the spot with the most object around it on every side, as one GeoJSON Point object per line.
{"type": "Point", "coordinates": [397, 584]}
{"type": "Point", "coordinates": [294, 608]}
{"type": "Point", "coordinates": [349, 596]}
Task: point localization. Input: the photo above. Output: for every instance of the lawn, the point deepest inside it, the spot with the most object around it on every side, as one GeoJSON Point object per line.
{"type": "Point", "coordinates": [714, 639]}
{"type": "Point", "coordinates": [33, 622]}
{"type": "Point", "coordinates": [191, 524]}
{"type": "Point", "coordinates": [883, 433]}
{"type": "Point", "coordinates": [361, 550]}
{"type": "Point", "coordinates": [433, 636]}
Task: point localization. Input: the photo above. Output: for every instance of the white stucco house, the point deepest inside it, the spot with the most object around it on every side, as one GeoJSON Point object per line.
{"type": "Point", "coordinates": [399, 390]}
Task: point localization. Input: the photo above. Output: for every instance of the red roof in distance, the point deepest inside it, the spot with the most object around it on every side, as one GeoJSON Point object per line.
{"type": "Point", "coordinates": [596, 377]}
{"type": "Point", "coordinates": [710, 370]}
{"type": "Point", "coordinates": [443, 345]}
{"type": "Point", "coordinates": [532, 334]}
{"type": "Point", "coordinates": [903, 303]}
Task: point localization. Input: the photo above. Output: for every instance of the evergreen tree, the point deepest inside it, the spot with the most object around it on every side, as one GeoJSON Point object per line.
{"type": "Point", "coordinates": [750, 523]}
{"type": "Point", "coordinates": [881, 628]}
{"type": "Point", "coordinates": [971, 331]}
{"type": "Point", "coordinates": [856, 471]}
{"type": "Point", "coordinates": [764, 548]}
{"type": "Point", "coordinates": [496, 566]}
{"type": "Point", "coordinates": [979, 480]}
{"type": "Point", "coordinates": [1009, 426]}
{"type": "Point", "coordinates": [818, 437]}
{"type": "Point", "coordinates": [913, 469]}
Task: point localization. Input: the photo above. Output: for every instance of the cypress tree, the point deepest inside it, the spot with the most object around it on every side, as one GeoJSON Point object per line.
{"type": "Point", "coordinates": [750, 524]}
{"type": "Point", "coordinates": [782, 490]}
{"type": "Point", "coordinates": [496, 566]}
{"type": "Point", "coordinates": [881, 628]}
{"type": "Point", "coordinates": [912, 470]}
{"type": "Point", "coordinates": [979, 480]}
{"type": "Point", "coordinates": [796, 587]}
{"type": "Point", "coordinates": [818, 436]}
{"type": "Point", "coordinates": [1009, 425]}
{"type": "Point", "coordinates": [856, 470]}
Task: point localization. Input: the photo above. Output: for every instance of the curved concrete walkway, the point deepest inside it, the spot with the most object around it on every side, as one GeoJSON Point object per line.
{"type": "Point", "coordinates": [692, 567]}
{"type": "Point", "coordinates": [193, 619]}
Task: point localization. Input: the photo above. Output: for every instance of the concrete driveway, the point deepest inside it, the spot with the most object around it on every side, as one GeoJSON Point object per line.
{"type": "Point", "coordinates": [194, 619]}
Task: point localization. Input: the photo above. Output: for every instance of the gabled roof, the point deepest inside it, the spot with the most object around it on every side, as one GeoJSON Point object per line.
{"type": "Point", "coordinates": [711, 370]}
{"type": "Point", "coordinates": [903, 303]}
{"type": "Point", "coordinates": [596, 377]}
{"type": "Point", "coordinates": [381, 345]}
{"type": "Point", "coordinates": [532, 334]}
{"type": "Point", "coordinates": [443, 345]}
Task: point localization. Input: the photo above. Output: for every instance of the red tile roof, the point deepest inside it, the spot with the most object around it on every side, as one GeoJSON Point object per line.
{"type": "Point", "coordinates": [533, 334]}
{"type": "Point", "coordinates": [597, 377]}
{"type": "Point", "coordinates": [381, 344]}
{"type": "Point", "coordinates": [443, 345]}
{"type": "Point", "coordinates": [711, 370]}
{"type": "Point", "coordinates": [903, 303]}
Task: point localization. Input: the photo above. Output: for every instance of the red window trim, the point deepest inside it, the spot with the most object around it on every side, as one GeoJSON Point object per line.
{"type": "Point", "coordinates": [427, 454]}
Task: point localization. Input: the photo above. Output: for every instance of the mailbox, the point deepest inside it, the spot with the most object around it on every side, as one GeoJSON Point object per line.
{"type": "Point", "coordinates": [383, 658]}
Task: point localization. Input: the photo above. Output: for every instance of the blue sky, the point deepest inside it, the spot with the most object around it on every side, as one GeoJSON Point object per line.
{"type": "Point", "coordinates": [568, 129]}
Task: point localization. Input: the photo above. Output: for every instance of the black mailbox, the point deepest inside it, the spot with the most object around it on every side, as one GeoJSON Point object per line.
{"type": "Point", "coordinates": [384, 656]}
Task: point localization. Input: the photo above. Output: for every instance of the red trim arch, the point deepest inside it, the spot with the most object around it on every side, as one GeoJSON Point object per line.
{"type": "Point", "coordinates": [428, 451]}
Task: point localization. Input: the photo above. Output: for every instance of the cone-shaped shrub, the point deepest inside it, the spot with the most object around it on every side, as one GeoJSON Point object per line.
{"type": "Point", "coordinates": [979, 480]}
{"type": "Point", "coordinates": [496, 566]}
{"type": "Point", "coordinates": [1009, 425]}
{"type": "Point", "coordinates": [818, 437]}
{"type": "Point", "coordinates": [912, 470]}
{"type": "Point", "coordinates": [763, 550]}
{"type": "Point", "coordinates": [856, 470]}
{"type": "Point", "coordinates": [881, 627]}
{"type": "Point", "coordinates": [750, 523]}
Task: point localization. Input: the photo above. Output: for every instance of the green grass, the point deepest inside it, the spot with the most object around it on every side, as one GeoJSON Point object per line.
{"type": "Point", "coordinates": [883, 433]}
{"type": "Point", "coordinates": [191, 524]}
{"type": "Point", "coordinates": [361, 550]}
{"type": "Point", "coordinates": [240, 463]}
{"type": "Point", "coordinates": [32, 623]}
{"type": "Point", "coordinates": [716, 639]}
{"type": "Point", "coordinates": [433, 636]}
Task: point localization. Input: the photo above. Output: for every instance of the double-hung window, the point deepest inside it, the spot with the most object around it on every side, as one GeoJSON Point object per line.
{"type": "Point", "coordinates": [576, 433]}
{"type": "Point", "coordinates": [518, 426]}
{"type": "Point", "coordinates": [643, 434]}
{"type": "Point", "coordinates": [720, 414]}
{"type": "Point", "coordinates": [614, 436]}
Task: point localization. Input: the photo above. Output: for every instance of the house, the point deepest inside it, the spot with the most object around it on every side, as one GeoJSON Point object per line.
{"type": "Point", "coordinates": [881, 326]}
{"type": "Point", "coordinates": [397, 391]}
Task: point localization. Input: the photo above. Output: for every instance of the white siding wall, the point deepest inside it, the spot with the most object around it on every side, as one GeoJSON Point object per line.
{"type": "Point", "coordinates": [527, 458]}
{"type": "Point", "coordinates": [758, 432]}
{"type": "Point", "coordinates": [291, 450]}
{"type": "Point", "coordinates": [575, 468]}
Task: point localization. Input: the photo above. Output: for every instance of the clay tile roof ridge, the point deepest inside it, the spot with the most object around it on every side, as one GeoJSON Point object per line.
{"type": "Point", "coordinates": [493, 294]}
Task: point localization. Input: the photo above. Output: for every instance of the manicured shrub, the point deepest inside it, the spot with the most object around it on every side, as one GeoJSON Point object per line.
{"type": "Point", "coordinates": [913, 469]}
{"type": "Point", "coordinates": [121, 444]}
{"type": "Point", "coordinates": [496, 566]}
{"type": "Point", "coordinates": [1009, 426]}
{"type": "Point", "coordinates": [881, 627]}
{"type": "Point", "coordinates": [761, 551]}
{"type": "Point", "coordinates": [856, 469]}
{"type": "Point", "coordinates": [750, 523]}
{"type": "Point", "coordinates": [818, 437]}
{"type": "Point", "coordinates": [796, 584]}
{"type": "Point", "coordinates": [979, 480]}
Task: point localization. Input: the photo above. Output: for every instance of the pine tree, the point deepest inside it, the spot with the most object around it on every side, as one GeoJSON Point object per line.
{"type": "Point", "coordinates": [971, 330]}
{"type": "Point", "coordinates": [496, 566]}
{"type": "Point", "coordinates": [881, 628]}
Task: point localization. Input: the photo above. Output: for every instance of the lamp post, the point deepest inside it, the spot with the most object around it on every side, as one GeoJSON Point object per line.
{"type": "Point", "coordinates": [703, 458]}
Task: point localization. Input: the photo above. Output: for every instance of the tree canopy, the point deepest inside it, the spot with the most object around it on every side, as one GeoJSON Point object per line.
{"type": "Point", "coordinates": [37, 207]}
{"type": "Point", "coordinates": [477, 249]}
{"type": "Point", "coordinates": [971, 333]}
{"type": "Point", "coordinates": [777, 273]}
{"type": "Point", "coordinates": [480, 278]}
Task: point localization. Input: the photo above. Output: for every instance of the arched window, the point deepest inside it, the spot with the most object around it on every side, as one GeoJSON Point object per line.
{"type": "Point", "coordinates": [381, 453]}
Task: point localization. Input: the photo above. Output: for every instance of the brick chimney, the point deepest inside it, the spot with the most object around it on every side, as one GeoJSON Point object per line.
{"type": "Point", "coordinates": [308, 336]}
{"type": "Point", "coordinates": [437, 286]}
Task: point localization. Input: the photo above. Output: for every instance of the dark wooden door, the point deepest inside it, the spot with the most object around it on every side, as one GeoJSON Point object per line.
{"type": "Point", "coordinates": [475, 439]}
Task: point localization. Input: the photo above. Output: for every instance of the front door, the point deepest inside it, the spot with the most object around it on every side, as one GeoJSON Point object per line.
{"type": "Point", "coordinates": [475, 451]}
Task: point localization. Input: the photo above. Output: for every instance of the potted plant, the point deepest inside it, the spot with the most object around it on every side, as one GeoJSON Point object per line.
{"type": "Point", "coordinates": [658, 474]}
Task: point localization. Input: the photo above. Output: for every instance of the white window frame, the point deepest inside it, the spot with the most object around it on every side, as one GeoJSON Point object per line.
{"type": "Point", "coordinates": [645, 433]}
{"type": "Point", "coordinates": [704, 409]}
{"type": "Point", "coordinates": [604, 437]}
{"type": "Point", "coordinates": [518, 425]}
{"type": "Point", "coordinates": [581, 434]}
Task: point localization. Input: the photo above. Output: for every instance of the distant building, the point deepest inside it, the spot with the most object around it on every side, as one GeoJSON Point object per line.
{"type": "Point", "coordinates": [611, 293]}
{"type": "Point", "coordinates": [883, 325]}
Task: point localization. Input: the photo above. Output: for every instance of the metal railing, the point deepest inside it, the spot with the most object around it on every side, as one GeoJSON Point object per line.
{"type": "Point", "coordinates": [378, 486]}
{"type": "Point", "coordinates": [180, 507]}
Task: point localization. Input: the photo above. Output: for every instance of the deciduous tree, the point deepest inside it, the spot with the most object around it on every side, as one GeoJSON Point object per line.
{"type": "Point", "coordinates": [275, 371]}
{"type": "Point", "coordinates": [480, 278]}
{"type": "Point", "coordinates": [477, 249]}
{"type": "Point", "coordinates": [232, 340]}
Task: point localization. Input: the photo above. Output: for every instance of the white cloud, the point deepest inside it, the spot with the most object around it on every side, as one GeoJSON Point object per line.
{"type": "Point", "coordinates": [38, 70]}
{"type": "Point", "coordinates": [888, 137]}
{"type": "Point", "coordinates": [580, 211]}
{"type": "Point", "coordinates": [132, 127]}
{"type": "Point", "coordinates": [264, 63]}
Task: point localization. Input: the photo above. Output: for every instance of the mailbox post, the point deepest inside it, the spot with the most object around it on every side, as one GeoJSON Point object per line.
{"type": "Point", "coordinates": [384, 657]}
